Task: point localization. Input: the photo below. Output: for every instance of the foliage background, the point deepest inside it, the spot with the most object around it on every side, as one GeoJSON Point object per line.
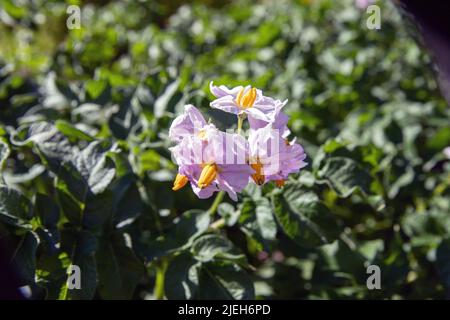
{"type": "Point", "coordinates": [86, 172]}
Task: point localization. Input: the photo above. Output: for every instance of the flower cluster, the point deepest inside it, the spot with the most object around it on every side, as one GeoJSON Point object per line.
{"type": "Point", "coordinates": [213, 160]}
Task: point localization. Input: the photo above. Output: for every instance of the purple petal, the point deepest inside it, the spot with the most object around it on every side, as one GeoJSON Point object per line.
{"type": "Point", "coordinates": [258, 114]}
{"type": "Point", "coordinates": [186, 123]}
{"type": "Point", "coordinates": [195, 115]}
{"type": "Point", "coordinates": [233, 178]}
{"type": "Point", "coordinates": [274, 116]}
{"type": "Point", "coordinates": [226, 103]}
{"type": "Point", "coordinates": [205, 192]}
{"type": "Point", "coordinates": [222, 91]}
{"type": "Point", "coordinates": [256, 123]}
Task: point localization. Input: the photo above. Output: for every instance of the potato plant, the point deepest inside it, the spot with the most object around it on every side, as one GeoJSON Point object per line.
{"type": "Point", "coordinates": [87, 168]}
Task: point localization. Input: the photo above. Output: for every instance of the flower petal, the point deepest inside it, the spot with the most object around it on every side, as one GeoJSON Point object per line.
{"type": "Point", "coordinates": [186, 123]}
{"type": "Point", "coordinates": [259, 114]}
{"type": "Point", "coordinates": [221, 91]}
{"type": "Point", "coordinates": [205, 192]}
{"type": "Point", "coordinates": [226, 103]}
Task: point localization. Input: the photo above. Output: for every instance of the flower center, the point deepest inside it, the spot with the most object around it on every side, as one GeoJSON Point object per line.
{"type": "Point", "coordinates": [208, 174]}
{"type": "Point", "coordinates": [247, 99]}
{"type": "Point", "coordinates": [258, 176]}
{"type": "Point", "coordinates": [202, 134]}
{"type": "Point", "coordinates": [180, 182]}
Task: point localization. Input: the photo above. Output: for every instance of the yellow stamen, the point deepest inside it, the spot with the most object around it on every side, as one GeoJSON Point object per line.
{"type": "Point", "coordinates": [209, 173]}
{"type": "Point", "coordinates": [258, 176]}
{"type": "Point", "coordinates": [239, 96]}
{"type": "Point", "coordinates": [246, 100]}
{"type": "Point", "coordinates": [180, 182]}
{"type": "Point", "coordinates": [280, 183]}
{"type": "Point", "coordinates": [202, 134]}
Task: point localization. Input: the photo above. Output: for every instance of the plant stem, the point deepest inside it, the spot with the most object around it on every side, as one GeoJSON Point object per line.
{"type": "Point", "coordinates": [159, 283]}
{"type": "Point", "coordinates": [239, 124]}
{"type": "Point", "coordinates": [212, 210]}
{"type": "Point", "coordinates": [218, 224]}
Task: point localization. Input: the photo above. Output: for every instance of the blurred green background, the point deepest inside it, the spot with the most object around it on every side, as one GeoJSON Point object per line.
{"type": "Point", "coordinates": [364, 103]}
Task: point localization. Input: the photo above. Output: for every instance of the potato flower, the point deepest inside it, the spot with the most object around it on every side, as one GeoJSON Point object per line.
{"type": "Point", "coordinates": [273, 157]}
{"type": "Point", "coordinates": [212, 160]}
{"type": "Point", "coordinates": [280, 121]}
{"type": "Point", "coordinates": [245, 101]}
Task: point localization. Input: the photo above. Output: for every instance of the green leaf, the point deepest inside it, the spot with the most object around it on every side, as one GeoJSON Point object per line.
{"type": "Point", "coordinates": [167, 99]}
{"type": "Point", "coordinates": [51, 274]}
{"type": "Point", "coordinates": [394, 263]}
{"type": "Point", "coordinates": [345, 175]}
{"type": "Point", "coordinates": [189, 226]}
{"type": "Point", "coordinates": [47, 210]}
{"type": "Point", "coordinates": [91, 210]}
{"type": "Point", "coordinates": [402, 181]}
{"type": "Point", "coordinates": [84, 171]}
{"type": "Point", "coordinates": [186, 278]}
{"type": "Point", "coordinates": [443, 262]}
{"type": "Point", "coordinates": [97, 210]}
{"type": "Point", "coordinates": [14, 10]}
{"type": "Point", "coordinates": [227, 211]}
{"type": "Point", "coordinates": [95, 167]}
{"type": "Point", "coordinates": [70, 131]}
{"type": "Point", "coordinates": [303, 217]}
{"type": "Point", "coordinates": [24, 259]}
{"type": "Point", "coordinates": [81, 187]}
{"type": "Point", "coordinates": [211, 247]}
{"type": "Point", "coordinates": [81, 248]}
{"type": "Point", "coordinates": [15, 208]}
{"type": "Point", "coordinates": [66, 90]}
{"type": "Point", "coordinates": [250, 226]}
{"type": "Point", "coordinates": [256, 220]}
{"type": "Point", "coordinates": [4, 153]}
{"type": "Point", "coordinates": [126, 120]}
{"type": "Point", "coordinates": [265, 219]}
{"type": "Point", "coordinates": [145, 97]}
{"type": "Point", "coordinates": [52, 145]}
{"type": "Point", "coordinates": [49, 238]}
{"type": "Point", "coordinates": [127, 201]}
{"type": "Point", "coordinates": [95, 87]}
{"type": "Point", "coordinates": [119, 271]}
{"type": "Point", "coordinates": [20, 178]}
{"type": "Point", "coordinates": [224, 281]}
{"type": "Point", "coordinates": [181, 278]}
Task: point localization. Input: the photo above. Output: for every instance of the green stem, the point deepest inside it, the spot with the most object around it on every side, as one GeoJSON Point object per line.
{"type": "Point", "coordinates": [159, 283]}
{"type": "Point", "coordinates": [218, 224]}
{"type": "Point", "coordinates": [240, 122]}
{"type": "Point", "coordinates": [212, 210]}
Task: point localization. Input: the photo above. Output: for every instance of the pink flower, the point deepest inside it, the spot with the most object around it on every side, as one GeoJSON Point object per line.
{"type": "Point", "coordinates": [210, 160]}
{"type": "Point", "coordinates": [191, 122]}
{"type": "Point", "coordinates": [279, 122]}
{"type": "Point", "coordinates": [245, 100]}
{"type": "Point", "coordinates": [273, 157]}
